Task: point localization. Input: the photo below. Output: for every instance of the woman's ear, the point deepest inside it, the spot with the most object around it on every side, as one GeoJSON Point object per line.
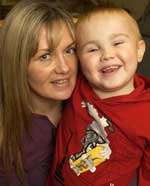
{"type": "Point", "coordinates": [141, 50]}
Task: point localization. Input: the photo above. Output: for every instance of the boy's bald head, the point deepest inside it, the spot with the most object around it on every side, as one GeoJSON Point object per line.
{"type": "Point", "coordinates": [110, 10]}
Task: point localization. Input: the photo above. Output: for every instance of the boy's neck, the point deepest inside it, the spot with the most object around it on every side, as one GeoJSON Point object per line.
{"type": "Point", "coordinates": [108, 94]}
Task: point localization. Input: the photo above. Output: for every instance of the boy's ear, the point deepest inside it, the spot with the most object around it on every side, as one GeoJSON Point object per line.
{"type": "Point", "coordinates": [141, 50]}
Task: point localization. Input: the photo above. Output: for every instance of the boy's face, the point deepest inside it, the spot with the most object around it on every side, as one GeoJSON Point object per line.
{"type": "Point", "coordinates": [109, 51]}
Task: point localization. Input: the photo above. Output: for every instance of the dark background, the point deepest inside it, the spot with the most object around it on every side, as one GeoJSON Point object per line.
{"type": "Point", "coordinates": [140, 10]}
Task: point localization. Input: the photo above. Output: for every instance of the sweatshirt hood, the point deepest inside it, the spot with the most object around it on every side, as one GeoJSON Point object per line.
{"type": "Point", "coordinates": [140, 93]}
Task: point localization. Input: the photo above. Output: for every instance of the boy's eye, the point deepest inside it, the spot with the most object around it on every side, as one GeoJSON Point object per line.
{"type": "Point", "coordinates": [118, 43]}
{"type": "Point", "coordinates": [92, 50]}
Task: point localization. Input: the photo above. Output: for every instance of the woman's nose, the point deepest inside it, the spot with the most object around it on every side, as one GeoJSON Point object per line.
{"type": "Point", "coordinates": [61, 64]}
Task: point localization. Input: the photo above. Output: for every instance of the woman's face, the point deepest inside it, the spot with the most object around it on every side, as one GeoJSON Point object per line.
{"type": "Point", "coordinates": [52, 73]}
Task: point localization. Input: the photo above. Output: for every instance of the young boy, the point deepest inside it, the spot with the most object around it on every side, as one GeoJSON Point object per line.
{"type": "Point", "coordinates": [104, 136]}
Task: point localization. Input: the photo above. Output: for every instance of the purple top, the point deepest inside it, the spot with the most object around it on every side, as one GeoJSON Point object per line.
{"type": "Point", "coordinates": [38, 153]}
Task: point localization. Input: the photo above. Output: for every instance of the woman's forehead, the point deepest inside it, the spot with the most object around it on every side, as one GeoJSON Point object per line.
{"type": "Point", "coordinates": [51, 35]}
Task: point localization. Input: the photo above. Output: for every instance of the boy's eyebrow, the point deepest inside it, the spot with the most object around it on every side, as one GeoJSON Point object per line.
{"type": "Point", "coordinates": [87, 43]}
{"type": "Point", "coordinates": [119, 34]}
{"type": "Point", "coordinates": [95, 41]}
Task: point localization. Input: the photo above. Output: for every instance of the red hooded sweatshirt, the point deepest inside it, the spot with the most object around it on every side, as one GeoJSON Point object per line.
{"type": "Point", "coordinates": [127, 135]}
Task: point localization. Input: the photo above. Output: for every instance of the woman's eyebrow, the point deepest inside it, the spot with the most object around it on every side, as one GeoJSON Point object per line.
{"type": "Point", "coordinates": [44, 49]}
{"type": "Point", "coordinates": [71, 44]}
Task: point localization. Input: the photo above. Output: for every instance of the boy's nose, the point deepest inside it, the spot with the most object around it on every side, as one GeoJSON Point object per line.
{"type": "Point", "coordinates": [107, 54]}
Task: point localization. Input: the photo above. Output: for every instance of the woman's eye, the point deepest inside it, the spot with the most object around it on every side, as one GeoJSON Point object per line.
{"type": "Point", "coordinates": [71, 50]}
{"type": "Point", "coordinates": [45, 57]}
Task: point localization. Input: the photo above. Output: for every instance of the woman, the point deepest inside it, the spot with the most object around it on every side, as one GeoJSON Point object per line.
{"type": "Point", "coordinates": [37, 72]}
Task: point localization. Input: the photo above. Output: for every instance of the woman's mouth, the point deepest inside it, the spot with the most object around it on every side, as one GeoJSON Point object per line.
{"type": "Point", "coordinates": [61, 82]}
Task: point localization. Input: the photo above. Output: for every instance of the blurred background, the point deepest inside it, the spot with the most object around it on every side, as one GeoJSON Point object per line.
{"type": "Point", "coordinates": [139, 9]}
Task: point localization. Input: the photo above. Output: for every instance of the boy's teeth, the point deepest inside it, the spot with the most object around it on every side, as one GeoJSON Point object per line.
{"type": "Point", "coordinates": [110, 68]}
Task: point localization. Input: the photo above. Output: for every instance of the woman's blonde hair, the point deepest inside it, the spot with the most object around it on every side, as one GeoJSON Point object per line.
{"type": "Point", "coordinates": [18, 43]}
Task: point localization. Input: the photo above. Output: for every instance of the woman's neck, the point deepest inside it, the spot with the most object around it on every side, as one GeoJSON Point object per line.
{"type": "Point", "coordinates": [47, 107]}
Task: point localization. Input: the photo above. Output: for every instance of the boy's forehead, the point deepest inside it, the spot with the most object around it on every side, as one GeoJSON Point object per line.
{"type": "Point", "coordinates": [102, 19]}
{"type": "Point", "coordinates": [113, 16]}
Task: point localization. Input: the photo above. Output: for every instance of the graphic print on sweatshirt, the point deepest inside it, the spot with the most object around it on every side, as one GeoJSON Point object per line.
{"type": "Point", "coordinates": [95, 144]}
